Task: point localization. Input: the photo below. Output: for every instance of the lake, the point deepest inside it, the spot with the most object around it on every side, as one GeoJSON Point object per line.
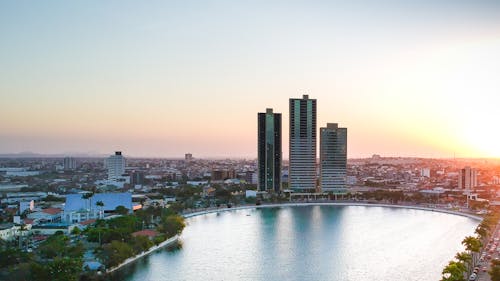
{"type": "Point", "coordinates": [309, 243]}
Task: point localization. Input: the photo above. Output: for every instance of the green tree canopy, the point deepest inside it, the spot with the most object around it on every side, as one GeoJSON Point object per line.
{"type": "Point", "coordinates": [454, 271]}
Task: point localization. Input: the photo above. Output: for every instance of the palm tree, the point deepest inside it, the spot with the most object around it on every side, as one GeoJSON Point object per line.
{"type": "Point", "coordinates": [473, 246]}
{"type": "Point", "coordinates": [466, 259]}
{"type": "Point", "coordinates": [88, 196]}
{"type": "Point", "coordinates": [454, 271]}
{"type": "Point", "coordinates": [481, 231]}
{"type": "Point", "coordinates": [101, 205]}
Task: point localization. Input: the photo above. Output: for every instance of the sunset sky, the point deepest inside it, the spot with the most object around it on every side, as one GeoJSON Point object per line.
{"type": "Point", "coordinates": [163, 78]}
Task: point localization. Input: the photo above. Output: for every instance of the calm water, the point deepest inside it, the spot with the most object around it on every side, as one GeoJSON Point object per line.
{"type": "Point", "coordinates": [309, 243]}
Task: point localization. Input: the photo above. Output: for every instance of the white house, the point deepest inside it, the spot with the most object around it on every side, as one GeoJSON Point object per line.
{"type": "Point", "coordinates": [9, 231]}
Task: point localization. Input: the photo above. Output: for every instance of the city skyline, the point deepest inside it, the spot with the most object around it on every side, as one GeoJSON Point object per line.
{"type": "Point", "coordinates": [168, 78]}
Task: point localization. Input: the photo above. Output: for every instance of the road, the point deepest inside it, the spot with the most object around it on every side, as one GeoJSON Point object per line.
{"type": "Point", "coordinates": [482, 275]}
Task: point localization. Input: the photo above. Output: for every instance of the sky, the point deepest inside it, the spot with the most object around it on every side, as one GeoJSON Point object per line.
{"type": "Point", "coordinates": [164, 78]}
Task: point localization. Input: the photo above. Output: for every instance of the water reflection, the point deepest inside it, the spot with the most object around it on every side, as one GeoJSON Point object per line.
{"type": "Point", "coordinates": [309, 243]}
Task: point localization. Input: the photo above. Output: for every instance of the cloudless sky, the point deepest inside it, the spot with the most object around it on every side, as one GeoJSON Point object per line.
{"type": "Point", "coordinates": [163, 78]}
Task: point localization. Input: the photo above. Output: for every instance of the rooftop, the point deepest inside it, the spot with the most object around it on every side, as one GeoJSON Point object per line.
{"type": "Point", "coordinates": [52, 211]}
{"type": "Point", "coordinates": [75, 202]}
{"type": "Point", "coordinates": [146, 232]}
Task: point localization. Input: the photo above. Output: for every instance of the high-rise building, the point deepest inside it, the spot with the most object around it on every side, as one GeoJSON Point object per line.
{"type": "Point", "coordinates": [69, 163]}
{"type": "Point", "coordinates": [269, 151]}
{"type": "Point", "coordinates": [302, 167]}
{"type": "Point", "coordinates": [425, 172]}
{"type": "Point", "coordinates": [467, 178]}
{"type": "Point", "coordinates": [115, 165]}
{"type": "Point", "coordinates": [188, 157]}
{"type": "Point", "coordinates": [219, 175]}
{"type": "Point", "coordinates": [136, 177]}
{"type": "Point", "coordinates": [333, 158]}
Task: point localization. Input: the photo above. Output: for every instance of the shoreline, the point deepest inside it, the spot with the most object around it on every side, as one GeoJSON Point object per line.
{"type": "Point", "coordinates": [163, 244]}
{"type": "Point", "coordinates": [175, 238]}
{"type": "Point", "coordinates": [456, 213]}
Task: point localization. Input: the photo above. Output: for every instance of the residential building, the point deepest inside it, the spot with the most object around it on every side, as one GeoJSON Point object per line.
{"type": "Point", "coordinates": [425, 172]}
{"type": "Point", "coordinates": [221, 175]}
{"type": "Point", "coordinates": [302, 166]}
{"type": "Point", "coordinates": [69, 163]}
{"type": "Point", "coordinates": [467, 178]}
{"type": "Point", "coordinates": [333, 158]}
{"type": "Point", "coordinates": [115, 165]}
{"type": "Point", "coordinates": [136, 177]}
{"type": "Point", "coordinates": [269, 151]}
{"type": "Point", "coordinates": [9, 231]}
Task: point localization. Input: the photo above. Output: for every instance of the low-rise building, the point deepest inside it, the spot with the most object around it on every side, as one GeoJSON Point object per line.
{"type": "Point", "coordinates": [47, 215]}
{"type": "Point", "coordinates": [77, 208]}
{"type": "Point", "coordinates": [9, 231]}
{"type": "Point", "coordinates": [151, 234]}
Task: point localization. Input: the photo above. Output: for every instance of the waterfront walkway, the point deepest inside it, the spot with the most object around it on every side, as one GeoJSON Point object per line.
{"type": "Point", "coordinates": [165, 243]}
{"type": "Point", "coordinates": [198, 212]}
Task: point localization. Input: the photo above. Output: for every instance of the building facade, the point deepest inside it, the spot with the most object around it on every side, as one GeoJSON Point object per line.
{"type": "Point", "coordinates": [302, 167]}
{"type": "Point", "coordinates": [467, 178]}
{"type": "Point", "coordinates": [69, 163]}
{"type": "Point", "coordinates": [115, 165]}
{"type": "Point", "coordinates": [269, 152]}
{"type": "Point", "coordinates": [137, 177]}
{"type": "Point", "coordinates": [333, 158]}
{"type": "Point", "coordinates": [79, 208]}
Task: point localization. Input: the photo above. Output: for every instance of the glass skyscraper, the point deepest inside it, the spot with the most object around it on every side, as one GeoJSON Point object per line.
{"type": "Point", "coordinates": [333, 158]}
{"type": "Point", "coordinates": [302, 169]}
{"type": "Point", "coordinates": [269, 151]}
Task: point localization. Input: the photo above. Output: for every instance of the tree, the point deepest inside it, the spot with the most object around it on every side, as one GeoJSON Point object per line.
{"type": "Point", "coordinates": [76, 231]}
{"type": "Point", "coordinates": [495, 270]}
{"type": "Point", "coordinates": [454, 271]}
{"type": "Point", "coordinates": [140, 244]}
{"type": "Point", "coordinates": [473, 245]}
{"type": "Point", "coordinates": [115, 252]}
{"type": "Point", "coordinates": [53, 247]}
{"type": "Point", "coordinates": [57, 246]}
{"type": "Point", "coordinates": [175, 207]}
{"type": "Point", "coordinates": [12, 256]}
{"type": "Point", "coordinates": [61, 269]}
{"type": "Point", "coordinates": [88, 196]}
{"type": "Point", "coordinates": [464, 258]}
{"type": "Point", "coordinates": [172, 225]}
{"type": "Point", "coordinates": [121, 210]}
{"type": "Point", "coordinates": [482, 231]}
{"type": "Point", "coordinates": [223, 194]}
{"type": "Point", "coordinates": [101, 205]}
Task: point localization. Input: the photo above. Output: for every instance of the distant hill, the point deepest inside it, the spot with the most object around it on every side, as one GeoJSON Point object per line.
{"type": "Point", "coordinates": [30, 154]}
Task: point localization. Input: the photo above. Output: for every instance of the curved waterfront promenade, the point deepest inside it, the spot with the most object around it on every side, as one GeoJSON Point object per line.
{"type": "Point", "coordinates": [165, 243]}
{"type": "Point", "coordinates": [218, 210]}
{"type": "Point", "coordinates": [475, 217]}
